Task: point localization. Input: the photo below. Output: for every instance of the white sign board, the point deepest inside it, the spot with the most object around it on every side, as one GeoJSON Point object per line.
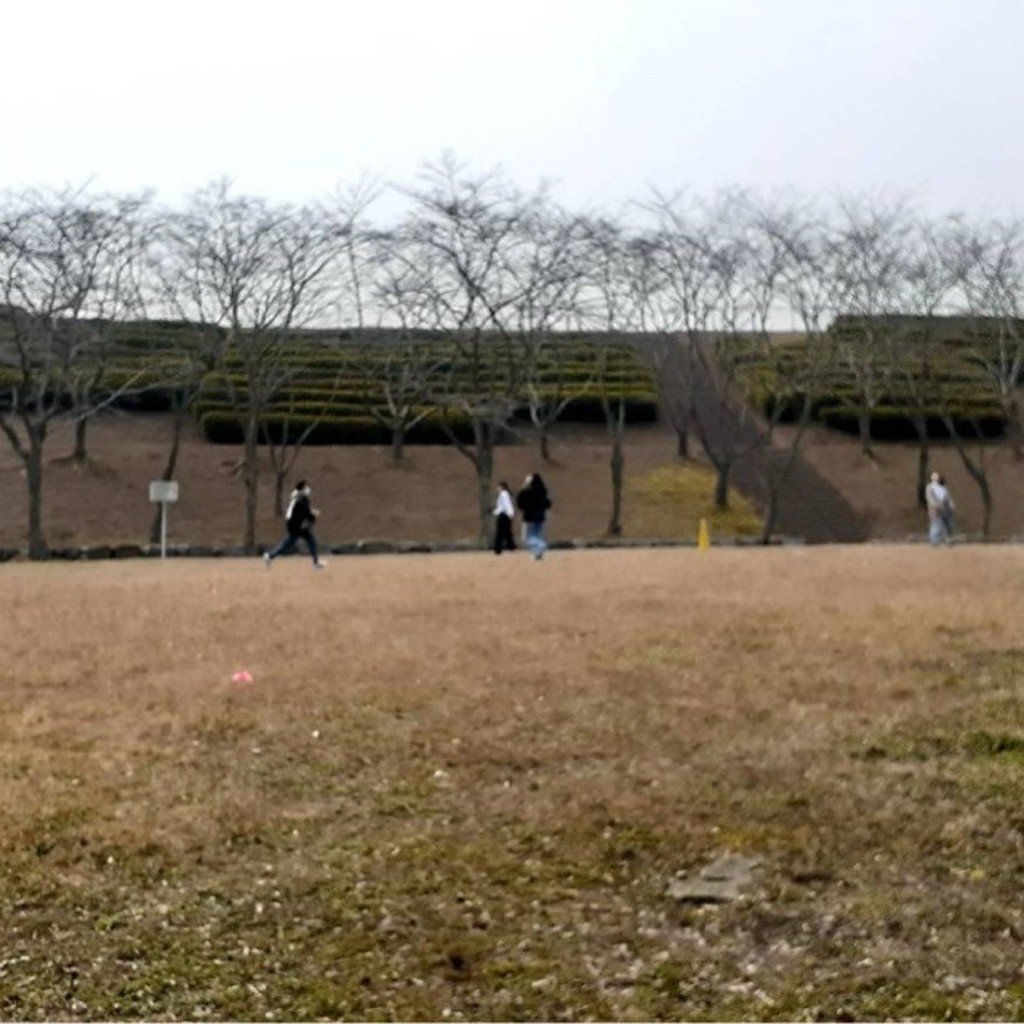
{"type": "Point", "coordinates": [163, 490]}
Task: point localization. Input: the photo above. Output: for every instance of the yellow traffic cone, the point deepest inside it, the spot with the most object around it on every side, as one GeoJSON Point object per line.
{"type": "Point", "coordinates": [703, 537]}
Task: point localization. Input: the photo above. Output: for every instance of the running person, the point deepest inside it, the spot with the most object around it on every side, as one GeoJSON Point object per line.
{"type": "Point", "coordinates": [299, 520]}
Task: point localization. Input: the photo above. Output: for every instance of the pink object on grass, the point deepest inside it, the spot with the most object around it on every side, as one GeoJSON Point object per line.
{"type": "Point", "coordinates": [242, 677]}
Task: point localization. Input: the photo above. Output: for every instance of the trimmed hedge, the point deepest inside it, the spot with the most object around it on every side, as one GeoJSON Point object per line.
{"type": "Point", "coordinates": [346, 410]}
{"type": "Point", "coordinates": [590, 409]}
{"type": "Point", "coordinates": [950, 368]}
{"type": "Point", "coordinates": [340, 385]}
{"type": "Point", "coordinates": [896, 423]}
{"type": "Point", "coordinates": [226, 428]}
{"type": "Point", "coordinates": [294, 410]}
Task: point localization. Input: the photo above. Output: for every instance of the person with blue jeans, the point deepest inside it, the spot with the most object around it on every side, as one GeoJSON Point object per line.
{"type": "Point", "coordinates": [299, 520]}
{"type": "Point", "coordinates": [940, 510]}
{"type": "Point", "coordinates": [534, 501]}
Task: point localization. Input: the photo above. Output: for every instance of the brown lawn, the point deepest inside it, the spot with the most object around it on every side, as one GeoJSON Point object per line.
{"type": "Point", "coordinates": [460, 786]}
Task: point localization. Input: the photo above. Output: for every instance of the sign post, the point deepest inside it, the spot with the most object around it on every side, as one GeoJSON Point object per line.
{"type": "Point", "coordinates": [165, 492]}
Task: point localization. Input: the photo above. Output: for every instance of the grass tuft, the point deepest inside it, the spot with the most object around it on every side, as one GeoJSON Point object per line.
{"type": "Point", "coordinates": [672, 500]}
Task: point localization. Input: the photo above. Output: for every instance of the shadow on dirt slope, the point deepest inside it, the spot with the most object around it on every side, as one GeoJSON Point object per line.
{"type": "Point", "coordinates": [810, 507]}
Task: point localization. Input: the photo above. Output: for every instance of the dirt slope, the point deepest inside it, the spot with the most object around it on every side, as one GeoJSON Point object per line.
{"type": "Point", "coordinates": [432, 496]}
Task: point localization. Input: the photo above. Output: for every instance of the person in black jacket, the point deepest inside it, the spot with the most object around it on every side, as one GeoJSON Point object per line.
{"type": "Point", "coordinates": [533, 501]}
{"type": "Point", "coordinates": [299, 520]}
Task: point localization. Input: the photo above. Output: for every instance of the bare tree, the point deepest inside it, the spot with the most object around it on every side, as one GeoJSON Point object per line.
{"type": "Point", "coordinates": [64, 257]}
{"type": "Point", "coordinates": [725, 273]}
{"type": "Point", "coordinates": [118, 294]}
{"type": "Point", "coordinates": [915, 341]}
{"type": "Point", "coordinates": [613, 404]}
{"type": "Point", "coordinates": [404, 381]}
{"type": "Point", "coordinates": [660, 342]}
{"type": "Point", "coordinates": [551, 276]}
{"type": "Point", "coordinates": [982, 266]}
{"type": "Point", "coordinates": [195, 354]}
{"type": "Point", "coordinates": [787, 267]}
{"type": "Point", "coordinates": [867, 261]}
{"type": "Point", "coordinates": [349, 247]}
{"type": "Point", "coordinates": [795, 379]}
{"type": "Point", "coordinates": [701, 301]}
{"type": "Point", "coordinates": [292, 421]}
{"type": "Point", "coordinates": [672, 364]}
{"type": "Point", "coordinates": [404, 368]}
{"type": "Point", "coordinates": [609, 304]}
{"type": "Point", "coordinates": [553, 385]}
{"type": "Point", "coordinates": [986, 263]}
{"type": "Point", "coordinates": [462, 246]}
{"type": "Point", "coordinates": [194, 345]}
{"type": "Point", "coordinates": [970, 443]}
{"type": "Point", "coordinates": [261, 272]}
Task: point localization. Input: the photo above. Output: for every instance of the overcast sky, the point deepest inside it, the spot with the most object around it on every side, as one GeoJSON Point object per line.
{"type": "Point", "coordinates": [604, 99]}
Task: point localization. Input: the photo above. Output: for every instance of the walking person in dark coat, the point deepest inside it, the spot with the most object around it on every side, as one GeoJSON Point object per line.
{"type": "Point", "coordinates": [299, 520]}
{"type": "Point", "coordinates": [533, 501]}
{"type": "Point", "coordinates": [504, 512]}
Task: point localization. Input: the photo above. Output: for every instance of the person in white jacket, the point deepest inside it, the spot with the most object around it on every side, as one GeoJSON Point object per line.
{"type": "Point", "coordinates": [940, 510]}
{"type": "Point", "coordinates": [504, 512]}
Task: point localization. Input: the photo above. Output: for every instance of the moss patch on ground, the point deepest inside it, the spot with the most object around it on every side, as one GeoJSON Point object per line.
{"type": "Point", "coordinates": [672, 500]}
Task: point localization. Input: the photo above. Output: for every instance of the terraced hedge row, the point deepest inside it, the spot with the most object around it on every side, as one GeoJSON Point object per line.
{"type": "Point", "coordinates": [335, 390]}
{"type": "Point", "coordinates": [224, 427]}
{"type": "Point", "coordinates": [335, 384]}
{"type": "Point", "coordinates": [931, 378]}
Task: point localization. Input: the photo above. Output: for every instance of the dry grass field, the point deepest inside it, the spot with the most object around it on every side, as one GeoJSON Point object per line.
{"type": "Point", "coordinates": [462, 787]}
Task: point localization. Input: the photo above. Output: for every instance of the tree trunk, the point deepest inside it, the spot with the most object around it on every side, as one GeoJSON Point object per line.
{"type": "Point", "coordinates": [986, 502]}
{"type": "Point", "coordinates": [682, 443]}
{"type": "Point", "coordinates": [1013, 429]}
{"type": "Point", "coordinates": [864, 425]}
{"type": "Point", "coordinates": [484, 463]}
{"type": "Point", "coordinates": [771, 512]}
{"type": "Point", "coordinates": [722, 469]}
{"type": "Point", "coordinates": [976, 471]}
{"type": "Point", "coordinates": [615, 522]}
{"type": "Point", "coordinates": [251, 471]}
{"type": "Point", "coordinates": [80, 454]}
{"type": "Point", "coordinates": [37, 548]}
{"type": "Point", "coordinates": [397, 443]}
{"type": "Point", "coordinates": [279, 478]}
{"type": "Point", "coordinates": [923, 458]}
{"type": "Point", "coordinates": [980, 477]}
{"type": "Point", "coordinates": [617, 427]}
{"type": "Point", "coordinates": [169, 467]}
{"type": "Point", "coordinates": [544, 443]}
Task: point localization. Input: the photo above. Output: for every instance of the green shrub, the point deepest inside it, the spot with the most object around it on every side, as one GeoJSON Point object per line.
{"type": "Point", "coordinates": [640, 408]}
{"type": "Point", "coordinates": [226, 428]}
{"type": "Point", "coordinates": [952, 370]}
{"type": "Point", "coordinates": [896, 423]}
